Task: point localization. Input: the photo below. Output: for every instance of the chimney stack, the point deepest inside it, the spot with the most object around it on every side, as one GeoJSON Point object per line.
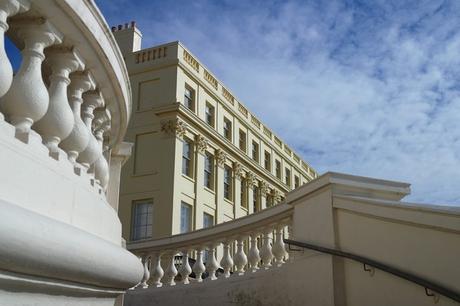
{"type": "Point", "coordinates": [128, 37]}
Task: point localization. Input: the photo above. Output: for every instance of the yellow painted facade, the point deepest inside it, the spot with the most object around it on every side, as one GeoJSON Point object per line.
{"type": "Point", "coordinates": [177, 100]}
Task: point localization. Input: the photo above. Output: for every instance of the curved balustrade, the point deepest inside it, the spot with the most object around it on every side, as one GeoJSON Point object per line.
{"type": "Point", "coordinates": [60, 113]}
{"type": "Point", "coordinates": [237, 242]}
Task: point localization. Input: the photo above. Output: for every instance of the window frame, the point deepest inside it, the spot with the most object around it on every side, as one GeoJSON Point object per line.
{"type": "Point", "coordinates": [208, 179]}
{"type": "Point", "coordinates": [228, 183]}
{"type": "Point", "coordinates": [227, 129]}
{"type": "Point", "coordinates": [255, 151]}
{"type": "Point", "coordinates": [210, 115]}
{"type": "Point", "coordinates": [189, 100]}
{"type": "Point", "coordinates": [242, 141]}
{"type": "Point", "coordinates": [287, 176]}
{"type": "Point", "coordinates": [278, 168]}
{"type": "Point", "coordinates": [135, 204]}
{"type": "Point", "coordinates": [267, 161]}
{"type": "Point", "coordinates": [183, 205]}
{"type": "Point", "coordinates": [187, 161]}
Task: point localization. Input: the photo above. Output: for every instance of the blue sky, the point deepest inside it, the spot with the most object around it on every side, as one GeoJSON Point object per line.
{"type": "Point", "coordinates": [364, 87]}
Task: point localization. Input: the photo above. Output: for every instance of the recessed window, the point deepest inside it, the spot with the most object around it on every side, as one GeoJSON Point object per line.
{"type": "Point", "coordinates": [142, 219]}
{"type": "Point", "coordinates": [228, 183]}
{"type": "Point", "coordinates": [255, 199]}
{"type": "Point", "coordinates": [244, 194]}
{"type": "Point", "coordinates": [267, 161]}
{"type": "Point", "coordinates": [227, 129]}
{"type": "Point", "coordinates": [209, 114]}
{"type": "Point", "coordinates": [185, 218]}
{"type": "Point", "coordinates": [189, 98]}
{"type": "Point", "coordinates": [255, 151]}
{"type": "Point", "coordinates": [187, 155]}
{"type": "Point", "coordinates": [296, 181]}
{"type": "Point", "coordinates": [270, 199]}
{"type": "Point", "coordinates": [242, 143]}
{"type": "Point", "coordinates": [208, 220]}
{"type": "Point", "coordinates": [278, 169]}
{"type": "Point", "coordinates": [287, 174]}
{"type": "Point", "coordinates": [209, 171]}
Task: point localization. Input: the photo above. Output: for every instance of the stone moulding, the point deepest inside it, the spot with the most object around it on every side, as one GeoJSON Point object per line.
{"type": "Point", "coordinates": [28, 246]}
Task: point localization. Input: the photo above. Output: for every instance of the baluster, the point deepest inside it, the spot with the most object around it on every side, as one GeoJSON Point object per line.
{"type": "Point", "coordinates": [146, 276]}
{"type": "Point", "coordinates": [78, 139]}
{"type": "Point", "coordinates": [157, 271]}
{"type": "Point", "coordinates": [279, 250]}
{"type": "Point", "coordinates": [227, 262]}
{"type": "Point", "coordinates": [92, 100]}
{"type": "Point", "coordinates": [8, 8]}
{"type": "Point", "coordinates": [212, 265]}
{"type": "Point", "coordinates": [199, 267]}
{"type": "Point", "coordinates": [101, 166]}
{"type": "Point", "coordinates": [58, 121]}
{"type": "Point", "coordinates": [27, 99]}
{"type": "Point", "coordinates": [266, 250]}
{"type": "Point", "coordinates": [171, 271]}
{"type": "Point", "coordinates": [240, 258]}
{"type": "Point", "coordinates": [253, 254]}
{"type": "Point", "coordinates": [185, 269]}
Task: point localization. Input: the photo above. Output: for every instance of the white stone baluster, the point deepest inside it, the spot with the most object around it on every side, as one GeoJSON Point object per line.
{"type": "Point", "coordinates": [58, 122]}
{"type": "Point", "coordinates": [279, 249]}
{"type": "Point", "coordinates": [240, 258]}
{"type": "Point", "coordinates": [27, 99]}
{"type": "Point", "coordinates": [212, 265]}
{"type": "Point", "coordinates": [78, 139]}
{"type": "Point", "coordinates": [157, 271]}
{"type": "Point", "coordinates": [146, 276]}
{"type": "Point", "coordinates": [92, 100]}
{"type": "Point", "coordinates": [199, 267]}
{"type": "Point", "coordinates": [171, 271]}
{"type": "Point", "coordinates": [253, 254]}
{"type": "Point", "coordinates": [266, 251]}
{"type": "Point", "coordinates": [8, 8]}
{"type": "Point", "coordinates": [185, 269]}
{"type": "Point", "coordinates": [227, 262]}
{"type": "Point", "coordinates": [101, 166]}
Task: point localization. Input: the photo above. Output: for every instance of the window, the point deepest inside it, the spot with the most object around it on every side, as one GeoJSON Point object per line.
{"type": "Point", "coordinates": [227, 129]}
{"type": "Point", "coordinates": [255, 151]}
{"type": "Point", "coordinates": [209, 170]}
{"type": "Point", "coordinates": [187, 154]}
{"type": "Point", "coordinates": [209, 114]}
{"type": "Point", "coordinates": [189, 98]}
{"type": "Point", "coordinates": [270, 199]}
{"type": "Point", "coordinates": [287, 174]}
{"type": "Point", "coordinates": [255, 199]}
{"type": "Point", "coordinates": [142, 219]}
{"type": "Point", "coordinates": [242, 141]}
{"type": "Point", "coordinates": [185, 218]}
{"type": "Point", "coordinates": [228, 183]}
{"type": "Point", "coordinates": [278, 169]}
{"type": "Point", "coordinates": [243, 194]}
{"type": "Point", "coordinates": [208, 220]}
{"type": "Point", "coordinates": [296, 181]}
{"type": "Point", "coordinates": [267, 161]}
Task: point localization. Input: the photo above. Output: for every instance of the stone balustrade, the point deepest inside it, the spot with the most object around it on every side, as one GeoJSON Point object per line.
{"type": "Point", "coordinates": [58, 89]}
{"type": "Point", "coordinates": [232, 249]}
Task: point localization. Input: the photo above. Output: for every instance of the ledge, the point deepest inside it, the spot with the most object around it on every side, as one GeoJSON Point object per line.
{"type": "Point", "coordinates": [36, 245]}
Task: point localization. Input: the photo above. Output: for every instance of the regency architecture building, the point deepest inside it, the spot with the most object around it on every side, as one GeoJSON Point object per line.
{"type": "Point", "coordinates": [200, 156]}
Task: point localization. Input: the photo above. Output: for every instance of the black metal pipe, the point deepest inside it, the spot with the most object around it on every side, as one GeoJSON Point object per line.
{"type": "Point", "coordinates": [381, 266]}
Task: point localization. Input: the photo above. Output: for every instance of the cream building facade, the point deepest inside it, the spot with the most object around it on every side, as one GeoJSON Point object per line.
{"type": "Point", "coordinates": [200, 157]}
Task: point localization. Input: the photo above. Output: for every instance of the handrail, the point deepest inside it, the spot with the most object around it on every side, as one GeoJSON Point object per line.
{"type": "Point", "coordinates": [381, 266]}
{"type": "Point", "coordinates": [227, 230]}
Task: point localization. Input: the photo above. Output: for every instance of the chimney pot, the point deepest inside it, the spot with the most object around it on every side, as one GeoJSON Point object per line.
{"type": "Point", "coordinates": [120, 27]}
{"type": "Point", "coordinates": [133, 24]}
{"type": "Point", "coordinates": [114, 29]}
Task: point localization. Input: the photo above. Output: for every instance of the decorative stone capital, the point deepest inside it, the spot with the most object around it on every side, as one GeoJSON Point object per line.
{"type": "Point", "coordinates": [238, 171]}
{"type": "Point", "coordinates": [201, 144]}
{"type": "Point", "coordinates": [264, 189]}
{"type": "Point", "coordinates": [251, 179]}
{"type": "Point", "coordinates": [276, 196]}
{"type": "Point", "coordinates": [221, 158]}
{"type": "Point", "coordinates": [174, 127]}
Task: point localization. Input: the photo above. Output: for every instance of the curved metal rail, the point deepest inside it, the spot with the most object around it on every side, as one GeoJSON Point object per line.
{"type": "Point", "coordinates": [428, 285]}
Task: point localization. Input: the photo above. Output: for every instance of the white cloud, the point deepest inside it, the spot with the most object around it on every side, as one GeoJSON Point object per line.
{"type": "Point", "coordinates": [370, 90]}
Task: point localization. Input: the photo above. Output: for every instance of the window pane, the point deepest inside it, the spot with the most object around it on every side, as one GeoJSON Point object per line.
{"type": "Point", "coordinates": [185, 218]}
{"type": "Point", "coordinates": [142, 219]}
